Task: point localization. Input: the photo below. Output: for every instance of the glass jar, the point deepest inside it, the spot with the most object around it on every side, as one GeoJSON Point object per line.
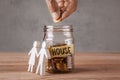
{"type": "Point", "coordinates": [59, 39]}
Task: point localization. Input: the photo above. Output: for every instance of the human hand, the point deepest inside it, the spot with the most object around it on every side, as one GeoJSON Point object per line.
{"type": "Point", "coordinates": [61, 9]}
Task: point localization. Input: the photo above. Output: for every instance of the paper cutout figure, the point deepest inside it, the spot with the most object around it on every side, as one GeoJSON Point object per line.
{"type": "Point", "coordinates": [43, 55]}
{"type": "Point", "coordinates": [33, 53]}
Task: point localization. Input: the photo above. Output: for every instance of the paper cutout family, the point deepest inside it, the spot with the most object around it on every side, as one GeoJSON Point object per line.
{"type": "Point", "coordinates": [43, 54]}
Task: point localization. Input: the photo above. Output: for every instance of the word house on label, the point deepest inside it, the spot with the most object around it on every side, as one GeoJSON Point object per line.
{"type": "Point", "coordinates": [61, 50]}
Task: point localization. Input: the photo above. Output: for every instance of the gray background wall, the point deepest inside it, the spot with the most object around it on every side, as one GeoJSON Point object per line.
{"type": "Point", "coordinates": [96, 24]}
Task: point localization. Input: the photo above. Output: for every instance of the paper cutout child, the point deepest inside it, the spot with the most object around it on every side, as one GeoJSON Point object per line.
{"type": "Point", "coordinates": [43, 55]}
{"type": "Point", "coordinates": [33, 53]}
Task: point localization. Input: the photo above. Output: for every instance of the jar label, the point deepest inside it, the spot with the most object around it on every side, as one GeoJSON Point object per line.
{"type": "Point", "coordinates": [61, 50]}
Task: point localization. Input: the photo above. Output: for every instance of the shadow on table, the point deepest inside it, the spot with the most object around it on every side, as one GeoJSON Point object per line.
{"type": "Point", "coordinates": [96, 68]}
{"type": "Point", "coordinates": [78, 70]}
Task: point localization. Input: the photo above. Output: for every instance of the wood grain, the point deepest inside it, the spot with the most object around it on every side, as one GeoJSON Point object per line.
{"type": "Point", "coordinates": [88, 66]}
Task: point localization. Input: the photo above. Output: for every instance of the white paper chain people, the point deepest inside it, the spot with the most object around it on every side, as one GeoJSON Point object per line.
{"type": "Point", "coordinates": [33, 53]}
{"type": "Point", "coordinates": [43, 55]}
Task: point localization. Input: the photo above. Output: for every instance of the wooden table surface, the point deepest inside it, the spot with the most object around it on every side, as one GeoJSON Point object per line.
{"type": "Point", "coordinates": [88, 66]}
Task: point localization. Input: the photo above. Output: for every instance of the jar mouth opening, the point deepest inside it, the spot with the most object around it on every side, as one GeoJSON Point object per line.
{"type": "Point", "coordinates": [58, 28]}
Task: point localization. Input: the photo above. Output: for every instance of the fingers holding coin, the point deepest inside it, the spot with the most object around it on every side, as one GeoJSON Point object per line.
{"type": "Point", "coordinates": [61, 9]}
{"type": "Point", "coordinates": [53, 8]}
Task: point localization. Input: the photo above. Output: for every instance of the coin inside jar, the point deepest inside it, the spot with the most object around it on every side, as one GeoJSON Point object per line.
{"type": "Point", "coordinates": [59, 64]}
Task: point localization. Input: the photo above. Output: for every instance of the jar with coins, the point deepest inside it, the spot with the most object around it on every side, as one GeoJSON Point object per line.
{"type": "Point", "coordinates": [59, 39]}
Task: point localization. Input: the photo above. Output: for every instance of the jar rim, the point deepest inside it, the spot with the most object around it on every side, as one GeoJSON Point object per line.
{"type": "Point", "coordinates": [58, 28]}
